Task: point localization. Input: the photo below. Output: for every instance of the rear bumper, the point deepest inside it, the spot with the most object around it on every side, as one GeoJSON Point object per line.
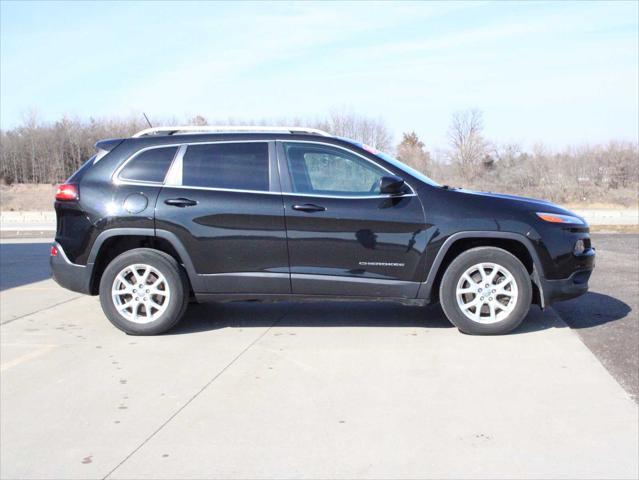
{"type": "Point", "coordinates": [70, 275]}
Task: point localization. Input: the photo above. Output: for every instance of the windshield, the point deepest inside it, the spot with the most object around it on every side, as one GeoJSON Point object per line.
{"type": "Point", "coordinates": [402, 166]}
{"type": "Point", "coordinates": [396, 163]}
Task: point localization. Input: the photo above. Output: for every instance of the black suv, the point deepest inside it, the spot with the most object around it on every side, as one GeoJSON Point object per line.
{"type": "Point", "coordinates": [243, 213]}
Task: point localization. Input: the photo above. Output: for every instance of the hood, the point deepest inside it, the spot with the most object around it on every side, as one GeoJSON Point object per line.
{"type": "Point", "coordinates": [515, 200]}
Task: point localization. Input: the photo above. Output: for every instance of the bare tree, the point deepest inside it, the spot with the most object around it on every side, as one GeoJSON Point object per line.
{"type": "Point", "coordinates": [468, 145]}
{"type": "Point", "coordinates": [37, 152]}
{"type": "Point", "coordinates": [48, 152]}
{"type": "Point", "coordinates": [411, 151]}
{"type": "Point", "coordinates": [197, 120]}
{"type": "Point", "coordinates": [342, 123]}
{"type": "Point", "coordinates": [347, 124]}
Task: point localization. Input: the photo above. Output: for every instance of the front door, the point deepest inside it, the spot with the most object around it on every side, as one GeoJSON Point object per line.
{"type": "Point", "coordinates": [223, 201]}
{"type": "Point", "coordinates": [344, 236]}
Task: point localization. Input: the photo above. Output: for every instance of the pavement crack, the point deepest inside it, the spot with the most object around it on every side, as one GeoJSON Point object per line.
{"type": "Point", "coordinates": [197, 394]}
{"type": "Point", "coordinates": [41, 310]}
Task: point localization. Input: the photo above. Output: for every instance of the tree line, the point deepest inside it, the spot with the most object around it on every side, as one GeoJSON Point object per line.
{"type": "Point", "coordinates": [583, 174]}
{"type": "Point", "coordinates": [48, 152]}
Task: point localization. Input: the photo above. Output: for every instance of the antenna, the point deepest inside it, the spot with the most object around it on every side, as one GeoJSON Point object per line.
{"type": "Point", "coordinates": [147, 120]}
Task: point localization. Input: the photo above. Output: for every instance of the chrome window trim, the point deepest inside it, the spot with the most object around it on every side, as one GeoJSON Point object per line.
{"type": "Point", "coordinates": [350, 197]}
{"type": "Point", "coordinates": [290, 194]}
{"type": "Point", "coordinates": [183, 146]}
{"type": "Point", "coordinates": [216, 189]}
{"type": "Point", "coordinates": [352, 153]}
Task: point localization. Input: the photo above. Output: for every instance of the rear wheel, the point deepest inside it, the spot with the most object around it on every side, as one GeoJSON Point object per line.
{"type": "Point", "coordinates": [144, 292]}
{"type": "Point", "coordinates": [486, 291]}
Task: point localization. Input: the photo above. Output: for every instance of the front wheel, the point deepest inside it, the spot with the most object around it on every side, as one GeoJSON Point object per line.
{"type": "Point", "coordinates": [144, 292]}
{"type": "Point", "coordinates": [486, 291]}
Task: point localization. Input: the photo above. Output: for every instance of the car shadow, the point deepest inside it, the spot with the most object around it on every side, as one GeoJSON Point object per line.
{"type": "Point", "coordinates": [23, 263]}
{"type": "Point", "coordinates": [591, 310]}
{"type": "Point", "coordinates": [212, 316]}
{"type": "Point", "coordinates": [587, 311]}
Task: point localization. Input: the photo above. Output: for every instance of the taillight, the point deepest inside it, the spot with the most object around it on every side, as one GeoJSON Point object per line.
{"type": "Point", "coordinates": [67, 191]}
{"type": "Point", "coordinates": [54, 251]}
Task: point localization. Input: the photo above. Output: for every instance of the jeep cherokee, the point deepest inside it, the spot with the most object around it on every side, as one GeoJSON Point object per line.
{"type": "Point", "coordinates": [272, 213]}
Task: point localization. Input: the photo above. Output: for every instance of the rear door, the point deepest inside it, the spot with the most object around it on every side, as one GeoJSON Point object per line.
{"type": "Point", "coordinates": [344, 237]}
{"type": "Point", "coordinates": [223, 201]}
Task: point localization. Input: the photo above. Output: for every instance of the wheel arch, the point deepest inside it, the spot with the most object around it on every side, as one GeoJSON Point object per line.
{"type": "Point", "coordinates": [514, 243]}
{"type": "Point", "coordinates": [111, 243]}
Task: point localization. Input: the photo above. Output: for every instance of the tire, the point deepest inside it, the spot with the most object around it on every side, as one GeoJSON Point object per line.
{"type": "Point", "coordinates": [493, 311]}
{"type": "Point", "coordinates": [166, 306]}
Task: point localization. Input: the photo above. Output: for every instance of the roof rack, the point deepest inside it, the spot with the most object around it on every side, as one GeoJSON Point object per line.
{"type": "Point", "coordinates": [227, 128]}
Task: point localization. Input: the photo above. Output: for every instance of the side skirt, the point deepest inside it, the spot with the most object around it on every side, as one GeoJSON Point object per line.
{"type": "Point", "coordinates": [260, 297]}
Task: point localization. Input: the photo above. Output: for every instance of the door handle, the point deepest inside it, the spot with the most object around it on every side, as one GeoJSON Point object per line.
{"type": "Point", "coordinates": [309, 207]}
{"type": "Point", "coordinates": [180, 202]}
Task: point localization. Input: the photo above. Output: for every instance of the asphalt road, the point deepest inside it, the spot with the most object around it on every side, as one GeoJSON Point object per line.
{"type": "Point", "coordinates": [330, 390]}
{"type": "Point", "coordinates": [607, 317]}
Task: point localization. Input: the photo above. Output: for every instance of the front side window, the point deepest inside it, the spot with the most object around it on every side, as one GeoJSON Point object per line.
{"type": "Point", "coordinates": [235, 166]}
{"type": "Point", "coordinates": [393, 161]}
{"type": "Point", "coordinates": [149, 166]}
{"type": "Point", "coordinates": [324, 170]}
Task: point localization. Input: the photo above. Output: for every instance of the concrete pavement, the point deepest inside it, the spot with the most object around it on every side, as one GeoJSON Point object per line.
{"type": "Point", "coordinates": [329, 390]}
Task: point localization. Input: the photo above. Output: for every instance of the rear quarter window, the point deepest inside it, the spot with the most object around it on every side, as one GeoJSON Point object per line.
{"type": "Point", "coordinates": [149, 165]}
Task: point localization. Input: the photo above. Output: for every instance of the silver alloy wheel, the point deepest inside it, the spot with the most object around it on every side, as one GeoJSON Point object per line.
{"type": "Point", "coordinates": [486, 293]}
{"type": "Point", "coordinates": [140, 293]}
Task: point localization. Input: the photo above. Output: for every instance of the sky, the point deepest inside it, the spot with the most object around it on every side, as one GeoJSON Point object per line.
{"type": "Point", "coordinates": [561, 73]}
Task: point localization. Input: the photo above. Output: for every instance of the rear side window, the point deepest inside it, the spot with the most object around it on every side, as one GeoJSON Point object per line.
{"type": "Point", "coordinates": [236, 166]}
{"type": "Point", "coordinates": [149, 166]}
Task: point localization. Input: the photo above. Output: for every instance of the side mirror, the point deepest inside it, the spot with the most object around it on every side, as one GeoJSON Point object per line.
{"type": "Point", "coordinates": [391, 185]}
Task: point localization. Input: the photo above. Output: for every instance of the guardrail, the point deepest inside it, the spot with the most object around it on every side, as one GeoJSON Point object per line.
{"type": "Point", "coordinates": [27, 221]}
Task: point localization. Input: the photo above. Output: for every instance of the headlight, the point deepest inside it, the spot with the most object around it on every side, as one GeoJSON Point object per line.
{"type": "Point", "coordinates": [558, 218]}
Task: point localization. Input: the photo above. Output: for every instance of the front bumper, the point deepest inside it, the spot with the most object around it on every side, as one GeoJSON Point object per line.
{"type": "Point", "coordinates": [565, 289]}
{"type": "Point", "coordinates": [573, 286]}
{"type": "Point", "coordinates": [69, 275]}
